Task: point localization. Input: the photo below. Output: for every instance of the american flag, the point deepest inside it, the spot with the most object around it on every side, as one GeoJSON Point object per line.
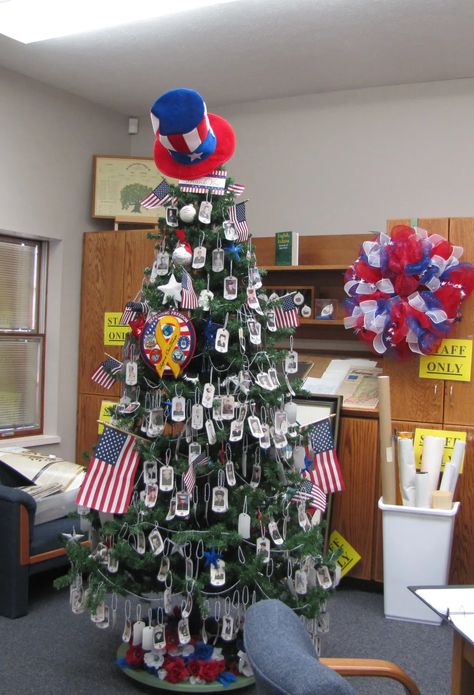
{"type": "Point", "coordinates": [158, 196]}
{"type": "Point", "coordinates": [309, 492]}
{"type": "Point", "coordinates": [106, 373]}
{"type": "Point", "coordinates": [325, 471]}
{"type": "Point", "coordinates": [238, 217]}
{"type": "Point", "coordinates": [189, 298]}
{"type": "Point", "coordinates": [286, 315]}
{"type": "Point", "coordinates": [108, 483]}
{"type": "Point", "coordinates": [189, 477]}
{"type": "Point", "coordinates": [131, 310]}
{"type": "Point", "coordinates": [236, 188]}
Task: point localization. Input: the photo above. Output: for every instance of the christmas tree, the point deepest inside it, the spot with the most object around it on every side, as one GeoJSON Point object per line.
{"type": "Point", "coordinates": [197, 491]}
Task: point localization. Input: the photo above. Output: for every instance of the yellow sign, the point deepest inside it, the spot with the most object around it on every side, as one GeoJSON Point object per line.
{"type": "Point", "coordinates": [104, 414]}
{"type": "Point", "coordinates": [452, 361]}
{"type": "Point", "coordinates": [349, 556]}
{"type": "Point", "coordinates": [450, 436]}
{"type": "Point", "coordinates": [114, 332]}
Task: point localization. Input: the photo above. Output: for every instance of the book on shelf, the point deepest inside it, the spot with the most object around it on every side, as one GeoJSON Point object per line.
{"type": "Point", "coordinates": [286, 248]}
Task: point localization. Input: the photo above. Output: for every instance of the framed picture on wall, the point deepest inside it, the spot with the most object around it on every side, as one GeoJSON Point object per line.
{"type": "Point", "coordinates": [119, 184]}
{"type": "Point", "coordinates": [314, 408]}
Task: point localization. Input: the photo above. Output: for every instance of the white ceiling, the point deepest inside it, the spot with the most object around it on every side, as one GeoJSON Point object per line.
{"type": "Point", "coordinates": [258, 49]}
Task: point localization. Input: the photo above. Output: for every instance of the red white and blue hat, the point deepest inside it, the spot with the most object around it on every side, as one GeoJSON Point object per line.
{"type": "Point", "coordinates": [189, 142]}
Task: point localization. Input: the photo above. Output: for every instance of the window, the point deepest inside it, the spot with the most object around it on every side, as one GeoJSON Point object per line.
{"type": "Point", "coordinates": [22, 335]}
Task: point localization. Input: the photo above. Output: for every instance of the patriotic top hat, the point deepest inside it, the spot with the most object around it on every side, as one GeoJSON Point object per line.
{"type": "Point", "coordinates": [189, 142]}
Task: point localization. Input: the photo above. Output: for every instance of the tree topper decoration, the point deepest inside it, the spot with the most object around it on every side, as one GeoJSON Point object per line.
{"type": "Point", "coordinates": [405, 290]}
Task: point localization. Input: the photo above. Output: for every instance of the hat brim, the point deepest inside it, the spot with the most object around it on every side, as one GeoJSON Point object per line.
{"type": "Point", "coordinates": [225, 147]}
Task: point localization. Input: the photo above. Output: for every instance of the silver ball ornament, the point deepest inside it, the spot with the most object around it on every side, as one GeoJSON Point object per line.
{"type": "Point", "coordinates": [181, 256]}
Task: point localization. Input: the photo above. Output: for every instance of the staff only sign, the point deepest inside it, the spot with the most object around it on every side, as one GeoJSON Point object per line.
{"type": "Point", "coordinates": [452, 361]}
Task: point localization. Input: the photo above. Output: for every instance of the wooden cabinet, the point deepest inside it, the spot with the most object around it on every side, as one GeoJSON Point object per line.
{"type": "Point", "coordinates": [112, 273]}
{"type": "Point", "coordinates": [437, 404]}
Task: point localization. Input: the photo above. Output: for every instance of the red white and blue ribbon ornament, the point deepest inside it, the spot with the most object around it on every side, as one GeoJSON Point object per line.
{"type": "Point", "coordinates": [405, 291]}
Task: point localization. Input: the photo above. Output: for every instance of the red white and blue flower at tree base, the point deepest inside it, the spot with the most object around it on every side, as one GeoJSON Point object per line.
{"type": "Point", "coordinates": [405, 291]}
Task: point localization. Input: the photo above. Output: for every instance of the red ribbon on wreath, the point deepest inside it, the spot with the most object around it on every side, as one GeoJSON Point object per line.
{"type": "Point", "coordinates": [405, 291]}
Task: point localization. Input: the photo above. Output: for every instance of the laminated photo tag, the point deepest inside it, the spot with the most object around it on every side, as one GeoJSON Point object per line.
{"type": "Point", "coordinates": [243, 527]}
{"type": "Point", "coordinates": [156, 542]}
{"type": "Point", "coordinates": [245, 381]}
{"type": "Point", "coordinates": [255, 426]}
{"type": "Point", "coordinates": [218, 260]}
{"type": "Point", "coordinates": [150, 472]}
{"type": "Point", "coordinates": [99, 614]}
{"type": "Point", "coordinates": [104, 624]}
{"type": "Point", "coordinates": [147, 638]}
{"type": "Point", "coordinates": [187, 607]}
{"type": "Point", "coordinates": [255, 278]}
{"type": "Point", "coordinates": [172, 510]}
{"type": "Point", "coordinates": [275, 533]}
{"type": "Point", "coordinates": [255, 332]}
{"type": "Point", "coordinates": [218, 574]}
{"type": "Point", "coordinates": [77, 600]}
{"type": "Point", "coordinates": [131, 373]}
{"type": "Point", "coordinates": [178, 405]}
{"type": "Point", "coordinates": [155, 423]}
{"type": "Point", "coordinates": [227, 632]}
{"type": "Point", "coordinates": [172, 216]}
{"type": "Point", "coordinates": [139, 542]}
{"type": "Point", "coordinates": [231, 285]}
{"type": "Point", "coordinates": [281, 422]}
{"type": "Point", "coordinates": [301, 582]}
{"type": "Point", "coordinates": [164, 568]}
{"type": "Point", "coordinates": [227, 409]}
{"type": "Point", "coordinates": [197, 417]}
{"type": "Point", "coordinates": [279, 440]}
{"type": "Point", "coordinates": [211, 432]}
{"type": "Point", "coordinates": [291, 362]}
{"type": "Point", "coordinates": [184, 634]}
{"type": "Point", "coordinates": [256, 475]}
{"type": "Point", "coordinates": [264, 441]}
{"type": "Point", "coordinates": [199, 257]}
{"type": "Point", "coordinates": [230, 474]}
{"type": "Point", "coordinates": [220, 501]}
{"type": "Point", "coordinates": [217, 408]}
{"type": "Point", "coordinates": [222, 340]}
{"type": "Point", "coordinates": [324, 577]}
{"type": "Point", "coordinates": [151, 495]}
{"type": "Point", "coordinates": [159, 637]}
{"type": "Point", "coordinates": [236, 431]}
{"type": "Point", "coordinates": [230, 232]}
{"type": "Point", "coordinates": [162, 264]}
{"type": "Point", "coordinates": [182, 504]}
{"type": "Point", "coordinates": [205, 212]}
{"type": "Point", "coordinates": [193, 451]}
{"type": "Point", "coordinates": [263, 548]}
{"type": "Point", "coordinates": [303, 520]}
{"type": "Point", "coordinates": [271, 320]}
{"type": "Point", "coordinates": [166, 478]}
{"type": "Point", "coordinates": [208, 395]}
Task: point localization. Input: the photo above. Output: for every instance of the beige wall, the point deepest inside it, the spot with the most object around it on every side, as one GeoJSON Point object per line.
{"type": "Point", "coordinates": [345, 162]}
{"type": "Point", "coordinates": [47, 141]}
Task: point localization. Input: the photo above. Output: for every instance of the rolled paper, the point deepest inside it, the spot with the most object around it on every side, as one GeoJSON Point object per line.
{"type": "Point", "coordinates": [387, 462]}
{"type": "Point", "coordinates": [456, 462]}
{"type": "Point", "coordinates": [458, 454]}
{"type": "Point", "coordinates": [423, 491]}
{"type": "Point", "coordinates": [431, 458]}
{"type": "Point", "coordinates": [407, 470]}
{"type": "Point", "coordinates": [448, 481]}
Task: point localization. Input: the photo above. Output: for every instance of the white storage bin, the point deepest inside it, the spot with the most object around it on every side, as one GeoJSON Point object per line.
{"type": "Point", "coordinates": [416, 551]}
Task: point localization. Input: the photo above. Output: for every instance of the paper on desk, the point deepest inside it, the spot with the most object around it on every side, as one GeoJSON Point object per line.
{"type": "Point", "coordinates": [454, 603]}
{"type": "Point", "coordinates": [329, 382]}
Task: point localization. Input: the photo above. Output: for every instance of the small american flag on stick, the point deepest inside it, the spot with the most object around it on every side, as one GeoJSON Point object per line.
{"type": "Point", "coordinates": [158, 196]}
{"type": "Point", "coordinates": [308, 492]}
{"type": "Point", "coordinates": [189, 298]}
{"type": "Point", "coordinates": [236, 188]}
{"type": "Point", "coordinates": [237, 215]}
{"type": "Point", "coordinates": [189, 477]}
{"type": "Point", "coordinates": [106, 373]}
{"type": "Point", "coordinates": [286, 315]}
{"type": "Point", "coordinates": [325, 471]}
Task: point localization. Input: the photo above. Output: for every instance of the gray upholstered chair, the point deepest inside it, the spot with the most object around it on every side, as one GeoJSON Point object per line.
{"type": "Point", "coordinates": [284, 661]}
{"type": "Point", "coordinates": [25, 549]}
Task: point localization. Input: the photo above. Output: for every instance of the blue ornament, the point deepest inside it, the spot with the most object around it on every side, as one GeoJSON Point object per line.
{"type": "Point", "coordinates": [210, 332]}
{"type": "Point", "coordinates": [212, 557]}
{"type": "Point", "coordinates": [234, 250]}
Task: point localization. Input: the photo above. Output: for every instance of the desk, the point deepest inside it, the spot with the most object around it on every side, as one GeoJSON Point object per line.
{"type": "Point", "coordinates": [456, 605]}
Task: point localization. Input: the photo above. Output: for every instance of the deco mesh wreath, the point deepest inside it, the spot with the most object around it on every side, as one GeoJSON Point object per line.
{"type": "Point", "coordinates": [405, 291]}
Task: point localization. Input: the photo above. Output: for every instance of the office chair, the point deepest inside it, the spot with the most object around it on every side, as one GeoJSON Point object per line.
{"type": "Point", "coordinates": [284, 661]}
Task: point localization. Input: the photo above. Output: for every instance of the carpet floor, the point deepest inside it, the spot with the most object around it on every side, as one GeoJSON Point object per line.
{"type": "Point", "coordinates": [50, 651]}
